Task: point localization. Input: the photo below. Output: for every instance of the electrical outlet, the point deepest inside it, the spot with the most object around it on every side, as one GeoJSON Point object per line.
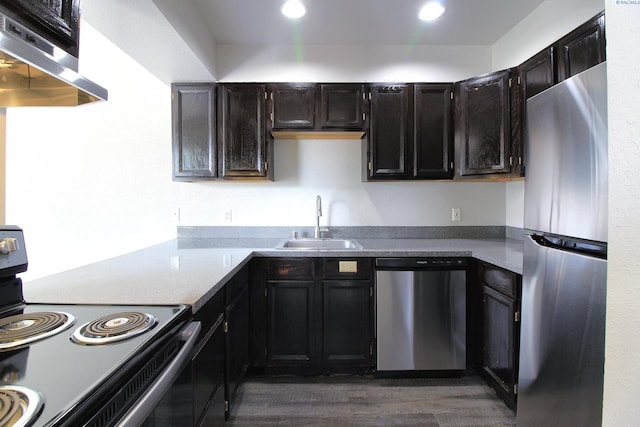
{"type": "Point", "coordinates": [174, 214]}
{"type": "Point", "coordinates": [456, 215]}
{"type": "Point", "coordinates": [228, 216]}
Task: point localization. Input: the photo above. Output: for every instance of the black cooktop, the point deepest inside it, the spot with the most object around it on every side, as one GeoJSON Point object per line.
{"type": "Point", "coordinates": [70, 376]}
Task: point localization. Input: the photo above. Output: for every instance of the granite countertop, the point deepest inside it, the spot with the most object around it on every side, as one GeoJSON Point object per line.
{"type": "Point", "coordinates": [191, 270]}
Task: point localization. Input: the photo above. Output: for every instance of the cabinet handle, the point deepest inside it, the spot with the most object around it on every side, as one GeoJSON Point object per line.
{"type": "Point", "coordinates": [516, 316]}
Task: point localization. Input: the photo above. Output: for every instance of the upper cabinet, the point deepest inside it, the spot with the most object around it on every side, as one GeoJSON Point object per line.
{"type": "Point", "coordinates": [413, 131]}
{"type": "Point", "coordinates": [317, 107]}
{"type": "Point", "coordinates": [243, 131]}
{"type": "Point", "coordinates": [389, 131]}
{"type": "Point", "coordinates": [342, 106]}
{"type": "Point", "coordinates": [538, 73]}
{"type": "Point", "coordinates": [193, 118]}
{"type": "Point", "coordinates": [582, 48]}
{"type": "Point", "coordinates": [432, 131]}
{"type": "Point", "coordinates": [293, 105]}
{"type": "Point", "coordinates": [57, 21]}
{"type": "Point", "coordinates": [483, 125]}
{"type": "Point", "coordinates": [410, 131]}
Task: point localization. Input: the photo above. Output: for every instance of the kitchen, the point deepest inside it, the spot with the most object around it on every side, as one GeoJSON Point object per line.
{"type": "Point", "coordinates": [75, 177]}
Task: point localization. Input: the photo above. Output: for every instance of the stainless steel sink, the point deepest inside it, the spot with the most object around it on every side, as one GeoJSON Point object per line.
{"type": "Point", "coordinates": [320, 244]}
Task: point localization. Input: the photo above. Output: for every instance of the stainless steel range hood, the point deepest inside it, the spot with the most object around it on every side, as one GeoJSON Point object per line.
{"type": "Point", "coordinates": [35, 72]}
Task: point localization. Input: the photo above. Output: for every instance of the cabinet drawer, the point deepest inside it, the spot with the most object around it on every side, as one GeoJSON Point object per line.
{"type": "Point", "coordinates": [290, 268]}
{"type": "Point", "coordinates": [346, 268]}
{"type": "Point", "coordinates": [499, 279]}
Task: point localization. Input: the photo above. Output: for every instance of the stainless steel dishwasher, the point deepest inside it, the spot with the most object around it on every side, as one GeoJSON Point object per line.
{"type": "Point", "coordinates": [421, 314]}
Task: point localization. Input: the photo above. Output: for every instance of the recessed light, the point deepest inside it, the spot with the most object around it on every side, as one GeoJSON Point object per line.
{"type": "Point", "coordinates": [293, 9]}
{"type": "Point", "coordinates": [431, 11]}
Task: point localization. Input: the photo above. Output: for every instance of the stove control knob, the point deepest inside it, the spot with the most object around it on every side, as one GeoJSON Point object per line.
{"type": "Point", "coordinates": [8, 245]}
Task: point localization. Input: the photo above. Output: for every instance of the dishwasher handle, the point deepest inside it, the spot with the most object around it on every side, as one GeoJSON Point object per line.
{"type": "Point", "coordinates": [426, 263]}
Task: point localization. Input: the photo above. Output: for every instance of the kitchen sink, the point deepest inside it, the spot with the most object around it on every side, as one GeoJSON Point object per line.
{"type": "Point", "coordinates": [325, 244]}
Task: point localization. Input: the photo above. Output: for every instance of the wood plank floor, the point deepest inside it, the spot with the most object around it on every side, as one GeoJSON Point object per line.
{"type": "Point", "coordinates": [366, 401]}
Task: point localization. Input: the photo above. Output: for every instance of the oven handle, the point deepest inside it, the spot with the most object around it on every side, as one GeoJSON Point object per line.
{"type": "Point", "coordinates": [147, 403]}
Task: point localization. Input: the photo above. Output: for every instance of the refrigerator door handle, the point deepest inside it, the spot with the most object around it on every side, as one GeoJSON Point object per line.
{"type": "Point", "coordinates": [593, 249]}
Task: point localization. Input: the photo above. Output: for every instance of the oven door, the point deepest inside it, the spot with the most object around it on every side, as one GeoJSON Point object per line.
{"type": "Point", "coordinates": [168, 399]}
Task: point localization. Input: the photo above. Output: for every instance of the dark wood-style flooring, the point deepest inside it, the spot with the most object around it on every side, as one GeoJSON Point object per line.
{"type": "Point", "coordinates": [366, 401]}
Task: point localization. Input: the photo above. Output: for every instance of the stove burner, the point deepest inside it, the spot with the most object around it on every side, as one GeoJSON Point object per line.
{"type": "Point", "coordinates": [22, 329]}
{"type": "Point", "coordinates": [18, 405]}
{"type": "Point", "coordinates": [114, 327]}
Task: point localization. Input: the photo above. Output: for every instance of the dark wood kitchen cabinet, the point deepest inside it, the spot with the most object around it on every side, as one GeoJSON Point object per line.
{"type": "Point", "coordinates": [193, 120]}
{"type": "Point", "coordinates": [208, 365]}
{"type": "Point", "coordinates": [342, 106]}
{"type": "Point", "coordinates": [221, 354]}
{"type": "Point", "coordinates": [538, 73]}
{"type": "Point", "coordinates": [432, 140]}
{"type": "Point", "coordinates": [483, 133]}
{"type": "Point", "coordinates": [316, 319]}
{"type": "Point", "coordinates": [318, 106]}
{"type": "Point", "coordinates": [57, 21]}
{"type": "Point", "coordinates": [500, 333]}
{"type": "Point", "coordinates": [244, 141]}
{"type": "Point", "coordinates": [293, 105]}
{"type": "Point", "coordinates": [347, 314]}
{"type": "Point", "coordinates": [291, 308]}
{"type": "Point", "coordinates": [582, 48]}
{"type": "Point", "coordinates": [535, 75]}
{"type": "Point", "coordinates": [389, 132]}
{"type": "Point", "coordinates": [236, 328]}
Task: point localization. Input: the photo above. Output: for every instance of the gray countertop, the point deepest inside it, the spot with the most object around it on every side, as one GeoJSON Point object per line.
{"type": "Point", "coordinates": [191, 271]}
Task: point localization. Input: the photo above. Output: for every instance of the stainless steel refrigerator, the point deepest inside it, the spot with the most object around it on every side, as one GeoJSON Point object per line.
{"type": "Point", "coordinates": [561, 368]}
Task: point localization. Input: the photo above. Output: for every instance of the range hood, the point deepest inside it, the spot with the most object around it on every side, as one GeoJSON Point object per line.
{"type": "Point", "coordinates": [35, 72]}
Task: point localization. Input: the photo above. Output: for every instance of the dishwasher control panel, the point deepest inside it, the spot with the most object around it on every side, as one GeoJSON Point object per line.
{"type": "Point", "coordinates": [419, 263]}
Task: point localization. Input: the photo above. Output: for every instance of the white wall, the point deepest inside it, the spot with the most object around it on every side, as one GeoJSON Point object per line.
{"type": "Point", "coordinates": [90, 182]}
{"type": "Point", "coordinates": [349, 63]}
{"type": "Point", "coordinates": [331, 169]}
{"type": "Point", "coordinates": [622, 364]}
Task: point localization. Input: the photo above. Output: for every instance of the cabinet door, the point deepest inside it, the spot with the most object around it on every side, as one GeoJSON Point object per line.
{"type": "Point", "coordinates": [500, 341]}
{"type": "Point", "coordinates": [237, 344]}
{"type": "Point", "coordinates": [433, 136]}
{"type": "Point", "coordinates": [242, 131]}
{"type": "Point", "coordinates": [291, 329]}
{"type": "Point", "coordinates": [538, 73]}
{"type": "Point", "coordinates": [347, 318]}
{"type": "Point", "coordinates": [582, 48]}
{"type": "Point", "coordinates": [293, 105]}
{"type": "Point", "coordinates": [208, 376]}
{"type": "Point", "coordinates": [342, 106]}
{"type": "Point", "coordinates": [482, 133]}
{"type": "Point", "coordinates": [389, 135]}
{"type": "Point", "coordinates": [57, 21]}
{"type": "Point", "coordinates": [535, 75]}
{"type": "Point", "coordinates": [193, 131]}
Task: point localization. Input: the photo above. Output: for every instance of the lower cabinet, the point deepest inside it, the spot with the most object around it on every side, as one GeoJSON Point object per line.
{"type": "Point", "coordinates": [236, 328]}
{"type": "Point", "coordinates": [346, 323]}
{"type": "Point", "coordinates": [317, 315]}
{"type": "Point", "coordinates": [221, 356]}
{"type": "Point", "coordinates": [208, 365]}
{"type": "Point", "coordinates": [500, 331]}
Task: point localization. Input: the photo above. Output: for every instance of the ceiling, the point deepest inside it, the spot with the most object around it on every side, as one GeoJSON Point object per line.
{"type": "Point", "coordinates": [372, 22]}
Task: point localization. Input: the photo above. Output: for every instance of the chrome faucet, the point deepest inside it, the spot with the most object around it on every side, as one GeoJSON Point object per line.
{"type": "Point", "coordinates": [316, 234]}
